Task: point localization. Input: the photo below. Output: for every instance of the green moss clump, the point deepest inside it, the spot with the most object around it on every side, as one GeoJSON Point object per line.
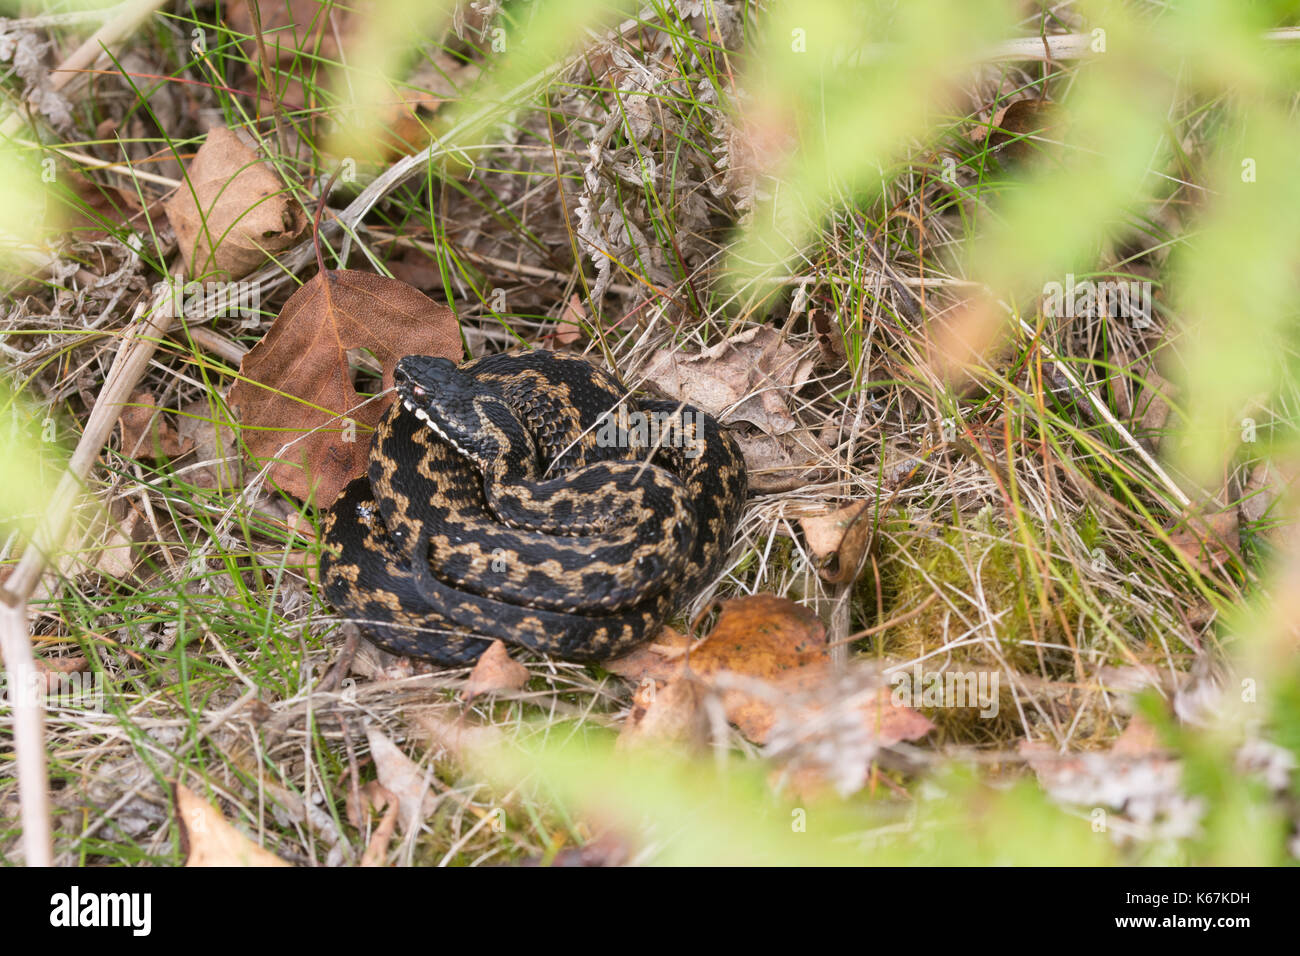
{"type": "Point", "coordinates": [980, 612]}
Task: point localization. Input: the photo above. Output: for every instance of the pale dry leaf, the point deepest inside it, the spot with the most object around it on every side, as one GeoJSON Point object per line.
{"type": "Point", "coordinates": [831, 726]}
{"type": "Point", "coordinates": [964, 340]}
{"type": "Point", "coordinates": [673, 714]}
{"type": "Point", "coordinates": [456, 738]}
{"type": "Point", "coordinates": [1210, 540]}
{"type": "Point", "coordinates": [208, 840]}
{"type": "Point", "coordinates": [746, 378]}
{"type": "Point", "coordinates": [402, 777]}
{"type": "Point", "coordinates": [783, 462]}
{"type": "Point", "coordinates": [202, 425]}
{"type": "Point", "coordinates": [117, 557]}
{"type": "Point", "coordinates": [233, 211]}
{"type": "Point", "coordinates": [1267, 500]}
{"type": "Point", "coordinates": [844, 534]}
{"type": "Point", "coordinates": [376, 795]}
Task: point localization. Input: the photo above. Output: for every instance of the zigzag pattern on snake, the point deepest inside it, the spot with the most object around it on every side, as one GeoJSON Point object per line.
{"type": "Point", "coordinates": [528, 497]}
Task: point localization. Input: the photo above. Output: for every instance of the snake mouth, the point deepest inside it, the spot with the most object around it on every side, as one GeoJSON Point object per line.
{"type": "Point", "coordinates": [423, 415]}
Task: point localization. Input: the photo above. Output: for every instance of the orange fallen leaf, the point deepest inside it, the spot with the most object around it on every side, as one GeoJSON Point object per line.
{"type": "Point", "coordinates": [296, 399]}
{"type": "Point", "coordinates": [761, 636]}
{"type": "Point", "coordinates": [768, 657]}
{"type": "Point", "coordinates": [494, 672]}
{"type": "Point", "coordinates": [208, 840]}
{"type": "Point", "coordinates": [569, 327]}
{"type": "Point", "coordinates": [964, 340]}
{"type": "Point", "coordinates": [233, 211]}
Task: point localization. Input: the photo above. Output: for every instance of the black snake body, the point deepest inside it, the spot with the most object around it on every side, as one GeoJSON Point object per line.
{"type": "Point", "coordinates": [522, 497]}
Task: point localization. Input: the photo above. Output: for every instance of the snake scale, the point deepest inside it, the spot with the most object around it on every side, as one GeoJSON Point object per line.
{"type": "Point", "coordinates": [527, 496]}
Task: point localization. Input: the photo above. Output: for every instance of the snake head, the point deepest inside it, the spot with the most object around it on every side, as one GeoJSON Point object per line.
{"type": "Point", "coordinates": [467, 415]}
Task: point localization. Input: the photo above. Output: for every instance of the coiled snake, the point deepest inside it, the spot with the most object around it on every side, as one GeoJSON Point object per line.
{"type": "Point", "coordinates": [527, 497]}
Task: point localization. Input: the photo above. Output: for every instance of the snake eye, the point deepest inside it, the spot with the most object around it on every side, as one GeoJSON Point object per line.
{"type": "Point", "coordinates": [418, 391]}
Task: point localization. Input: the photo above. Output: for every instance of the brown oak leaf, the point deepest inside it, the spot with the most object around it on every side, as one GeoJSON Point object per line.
{"type": "Point", "coordinates": [233, 211]}
{"type": "Point", "coordinates": [295, 395]}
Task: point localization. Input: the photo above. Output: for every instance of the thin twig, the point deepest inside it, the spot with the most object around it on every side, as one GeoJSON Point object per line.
{"type": "Point", "coordinates": [139, 343]}
{"type": "Point", "coordinates": [29, 736]}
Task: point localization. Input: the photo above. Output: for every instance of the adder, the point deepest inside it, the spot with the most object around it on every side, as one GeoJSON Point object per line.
{"type": "Point", "coordinates": [529, 497]}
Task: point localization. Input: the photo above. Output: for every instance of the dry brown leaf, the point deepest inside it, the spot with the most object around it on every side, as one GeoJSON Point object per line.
{"type": "Point", "coordinates": [402, 777]}
{"type": "Point", "coordinates": [1209, 541]}
{"type": "Point", "coordinates": [769, 658]}
{"type": "Point", "coordinates": [208, 840]}
{"type": "Point", "coordinates": [827, 736]}
{"type": "Point", "coordinates": [145, 431]}
{"type": "Point", "coordinates": [298, 31]}
{"type": "Point", "coordinates": [1152, 406]}
{"type": "Point", "coordinates": [414, 267]}
{"type": "Point", "coordinates": [215, 446]}
{"type": "Point", "coordinates": [76, 664]}
{"type": "Point", "coordinates": [783, 462]}
{"type": "Point", "coordinates": [745, 378]}
{"type": "Point", "coordinates": [292, 29]}
{"type": "Point", "coordinates": [760, 636]}
{"type": "Point", "coordinates": [844, 535]}
{"type": "Point", "coordinates": [1138, 739]}
{"type": "Point", "coordinates": [673, 714]}
{"type": "Point", "coordinates": [1269, 484]}
{"type": "Point", "coordinates": [660, 660]}
{"type": "Point", "coordinates": [1021, 127]}
{"type": "Point", "coordinates": [568, 329]}
{"type": "Point", "coordinates": [457, 738]}
{"type": "Point", "coordinates": [233, 212]}
{"type": "Point", "coordinates": [829, 340]}
{"type": "Point", "coordinates": [102, 206]}
{"type": "Point", "coordinates": [305, 357]}
{"type": "Point", "coordinates": [494, 672]}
